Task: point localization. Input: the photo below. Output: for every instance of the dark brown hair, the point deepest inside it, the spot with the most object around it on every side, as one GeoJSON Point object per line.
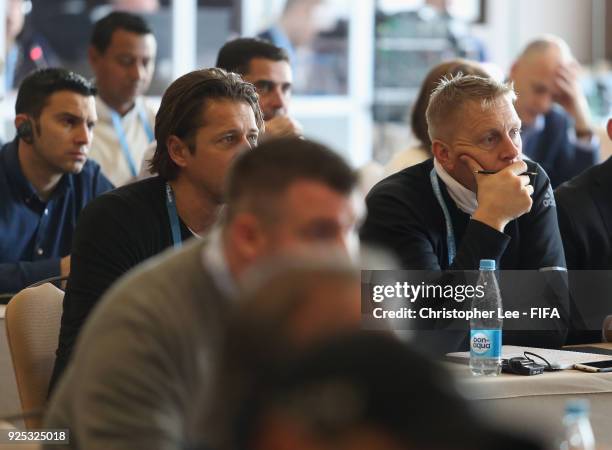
{"type": "Point", "coordinates": [236, 55]}
{"type": "Point", "coordinates": [182, 107]}
{"type": "Point", "coordinates": [260, 175]}
{"type": "Point", "coordinates": [449, 68]}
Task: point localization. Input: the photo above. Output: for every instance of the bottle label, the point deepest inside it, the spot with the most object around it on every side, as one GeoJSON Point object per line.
{"type": "Point", "coordinates": [485, 343]}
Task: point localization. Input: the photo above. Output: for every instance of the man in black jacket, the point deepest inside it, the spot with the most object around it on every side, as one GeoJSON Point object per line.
{"type": "Point", "coordinates": [500, 216]}
{"type": "Point", "coordinates": [585, 217]}
{"type": "Point", "coordinates": [476, 199]}
{"type": "Point", "coordinates": [206, 118]}
{"type": "Point", "coordinates": [585, 220]}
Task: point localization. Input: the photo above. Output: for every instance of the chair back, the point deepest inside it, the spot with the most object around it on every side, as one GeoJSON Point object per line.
{"type": "Point", "coordinates": [32, 320]}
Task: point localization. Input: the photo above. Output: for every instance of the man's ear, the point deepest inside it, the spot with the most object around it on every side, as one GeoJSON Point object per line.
{"type": "Point", "coordinates": [247, 234]}
{"type": "Point", "coordinates": [441, 152]}
{"type": "Point", "coordinates": [513, 69]}
{"type": "Point", "coordinates": [609, 128]}
{"type": "Point", "coordinates": [177, 149]}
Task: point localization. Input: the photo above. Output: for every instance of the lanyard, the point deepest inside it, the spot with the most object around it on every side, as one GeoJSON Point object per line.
{"type": "Point", "coordinates": [173, 216]}
{"type": "Point", "coordinates": [123, 140]}
{"type": "Point", "coordinates": [450, 234]}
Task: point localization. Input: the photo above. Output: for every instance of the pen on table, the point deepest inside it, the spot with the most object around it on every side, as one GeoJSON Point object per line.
{"type": "Point", "coordinates": [493, 172]}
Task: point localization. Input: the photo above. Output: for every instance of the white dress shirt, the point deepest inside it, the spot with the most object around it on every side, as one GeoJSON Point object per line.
{"type": "Point", "coordinates": [106, 148]}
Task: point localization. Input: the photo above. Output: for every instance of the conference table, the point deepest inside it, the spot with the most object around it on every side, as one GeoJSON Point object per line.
{"type": "Point", "coordinates": [536, 404]}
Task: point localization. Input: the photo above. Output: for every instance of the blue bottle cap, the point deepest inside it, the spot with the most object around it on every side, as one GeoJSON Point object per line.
{"type": "Point", "coordinates": [577, 406]}
{"type": "Point", "coordinates": [487, 264]}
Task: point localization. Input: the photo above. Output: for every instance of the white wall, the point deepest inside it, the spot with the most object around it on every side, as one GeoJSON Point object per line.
{"type": "Point", "coordinates": [512, 23]}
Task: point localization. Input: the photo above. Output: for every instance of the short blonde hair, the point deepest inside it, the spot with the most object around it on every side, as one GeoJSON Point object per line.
{"type": "Point", "coordinates": [453, 93]}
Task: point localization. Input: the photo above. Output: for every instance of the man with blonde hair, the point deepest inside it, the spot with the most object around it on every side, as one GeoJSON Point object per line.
{"type": "Point", "coordinates": [476, 198]}
{"type": "Point", "coordinates": [557, 131]}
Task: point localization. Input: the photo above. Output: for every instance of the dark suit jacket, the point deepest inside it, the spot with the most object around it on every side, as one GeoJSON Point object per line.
{"type": "Point", "coordinates": [561, 157]}
{"type": "Point", "coordinates": [405, 218]}
{"type": "Point", "coordinates": [584, 206]}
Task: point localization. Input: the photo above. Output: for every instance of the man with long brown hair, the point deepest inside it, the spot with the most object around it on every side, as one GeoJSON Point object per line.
{"type": "Point", "coordinates": [206, 118]}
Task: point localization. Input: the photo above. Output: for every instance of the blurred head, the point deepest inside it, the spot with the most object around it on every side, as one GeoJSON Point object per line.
{"type": "Point", "coordinates": [289, 304]}
{"type": "Point", "coordinates": [474, 116]}
{"type": "Point", "coordinates": [133, 6]}
{"type": "Point", "coordinates": [122, 55]}
{"type": "Point", "coordinates": [609, 129]}
{"type": "Point", "coordinates": [205, 119]}
{"type": "Point", "coordinates": [446, 69]}
{"type": "Point", "coordinates": [290, 194]}
{"type": "Point", "coordinates": [535, 75]}
{"type": "Point", "coordinates": [360, 391]}
{"type": "Point", "coordinates": [136, 6]}
{"type": "Point", "coordinates": [54, 117]}
{"type": "Point", "coordinates": [289, 295]}
{"type": "Point", "coordinates": [300, 20]}
{"type": "Point", "coordinates": [266, 66]}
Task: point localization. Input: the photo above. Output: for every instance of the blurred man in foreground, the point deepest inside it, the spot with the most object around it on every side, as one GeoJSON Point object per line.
{"type": "Point", "coordinates": [149, 348]}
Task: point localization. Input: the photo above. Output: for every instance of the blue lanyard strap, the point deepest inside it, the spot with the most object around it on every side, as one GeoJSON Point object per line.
{"type": "Point", "coordinates": [116, 118]}
{"type": "Point", "coordinates": [173, 216]}
{"type": "Point", "coordinates": [145, 125]}
{"type": "Point", "coordinates": [450, 234]}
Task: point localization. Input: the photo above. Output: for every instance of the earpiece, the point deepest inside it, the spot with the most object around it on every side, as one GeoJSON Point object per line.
{"type": "Point", "coordinates": [25, 132]}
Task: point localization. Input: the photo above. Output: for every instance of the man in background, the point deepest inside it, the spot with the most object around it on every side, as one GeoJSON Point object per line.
{"type": "Point", "coordinates": [25, 49]}
{"type": "Point", "coordinates": [268, 68]}
{"type": "Point", "coordinates": [556, 127]}
{"type": "Point", "coordinates": [296, 27]}
{"type": "Point", "coordinates": [585, 221]}
{"type": "Point", "coordinates": [585, 217]}
{"type": "Point", "coordinates": [122, 56]}
{"type": "Point", "coordinates": [45, 177]}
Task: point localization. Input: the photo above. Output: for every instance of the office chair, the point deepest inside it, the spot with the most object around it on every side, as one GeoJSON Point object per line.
{"type": "Point", "coordinates": [33, 319]}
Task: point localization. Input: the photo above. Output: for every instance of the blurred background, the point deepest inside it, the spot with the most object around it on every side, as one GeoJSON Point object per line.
{"type": "Point", "coordinates": [357, 63]}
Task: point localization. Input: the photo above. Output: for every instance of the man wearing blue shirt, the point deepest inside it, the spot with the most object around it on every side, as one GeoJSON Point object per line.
{"type": "Point", "coordinates": [45, 178]}
{"type": "Point", "coordinates": [556, 129]}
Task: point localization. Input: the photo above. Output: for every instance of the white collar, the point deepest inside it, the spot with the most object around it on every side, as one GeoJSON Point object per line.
{"type": "Point", "coordinates": [213, 258]}
{"type": "Point", "coordinates": [466, 200]}
{"type": "Point", "coordinates": [104, 111]}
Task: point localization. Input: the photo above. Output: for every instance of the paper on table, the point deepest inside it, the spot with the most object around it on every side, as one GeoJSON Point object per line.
{"type": "Point", "coordinates": [558, 359]}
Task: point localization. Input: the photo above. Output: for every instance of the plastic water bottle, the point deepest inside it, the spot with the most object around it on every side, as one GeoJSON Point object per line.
{"type": "Point", "coordinates": [486, 334]}
{"type": "Point", "coordinates": [578, 430]}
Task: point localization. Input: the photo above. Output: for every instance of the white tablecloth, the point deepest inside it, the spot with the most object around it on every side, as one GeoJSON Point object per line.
{"type": "Point", "coordinates": [536, 403]}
